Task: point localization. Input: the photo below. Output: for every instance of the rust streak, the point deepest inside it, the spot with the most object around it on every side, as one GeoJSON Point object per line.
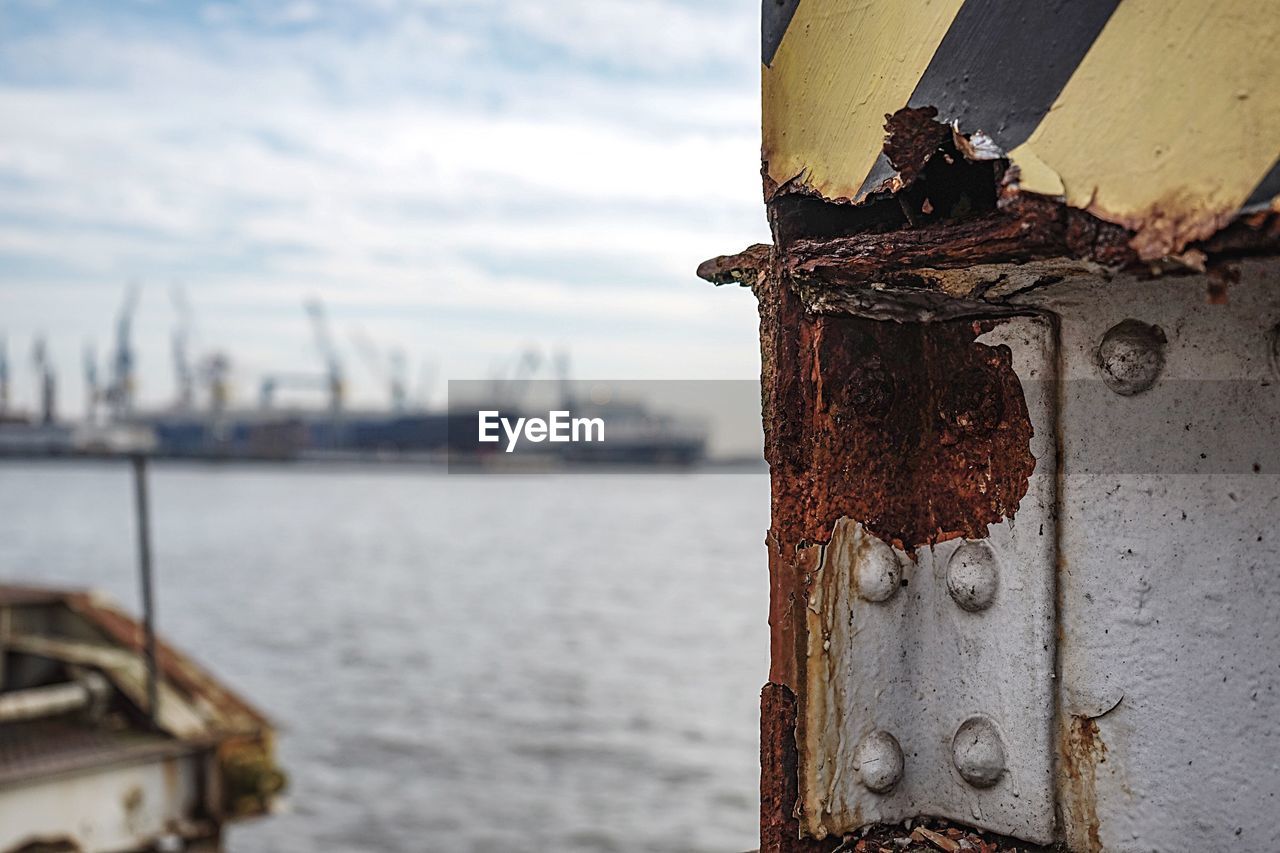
{"type": "Point", "coordinates": [779, 826]}
{"type": "Point", "coordinates": [1082, 751]}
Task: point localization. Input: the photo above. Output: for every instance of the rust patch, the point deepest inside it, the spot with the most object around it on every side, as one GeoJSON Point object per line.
{"type": "Point", "coordinates": [235, 713]}
{"type": "Point", "coordinates": [1024, 229]}
{"type": "Point", "coordinates": [916, 430]}
{"type": "Point", "coordinates": [779, 826]}
{"type": "Point", "coordinates": [1220, 279]}
{"type": "Point", "coordinates": [744, 268]}
{"type": "Point", "coordinates": [1082, 751]}
{"type": "Point", "coordinates": [1165, 229]}
{"type": "Point", "coordinates": [912, 138]}
{"type": "Point", "coordinates": [920, 218]}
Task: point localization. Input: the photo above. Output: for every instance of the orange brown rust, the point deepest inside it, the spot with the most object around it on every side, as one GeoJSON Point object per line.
{"type": "Point", "coordinates": [917, 430]}
{"type": "Point", "coordinates": [234, 711]}
{"type": "Point", "coordinates": [948, 212]}
{"type": "Point", "coordinates": [912, 138]}
{"type": "Point", "coordinates": [743, 268]}
{"type": "Point", "coordinates": [779, 828]}
{"type": "Point", "coordinates": [1082, 751]}
{"type": "Point", "coordinates": [1024, 229]}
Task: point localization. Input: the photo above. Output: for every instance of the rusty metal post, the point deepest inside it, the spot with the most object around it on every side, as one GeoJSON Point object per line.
{"type": "Point", "coordinates": [143, 512]}
{"type": "Point", "coordinates": [1020, 355]}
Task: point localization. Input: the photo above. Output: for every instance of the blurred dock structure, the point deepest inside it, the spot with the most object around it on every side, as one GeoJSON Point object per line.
{"type": "Point", "coordinates": [201, 422]}
{"type": "Point", "coordinates": [111, 740]}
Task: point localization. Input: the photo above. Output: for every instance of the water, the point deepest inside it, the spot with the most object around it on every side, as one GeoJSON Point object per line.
{"type": "Point", "coordinates": [526, 663]}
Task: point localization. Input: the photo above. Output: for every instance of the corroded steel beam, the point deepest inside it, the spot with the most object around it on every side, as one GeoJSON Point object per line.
{"type": "Point", "coordinates": [1020, 340]}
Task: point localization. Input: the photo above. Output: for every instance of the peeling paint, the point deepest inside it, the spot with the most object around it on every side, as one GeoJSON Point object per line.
{"type": "Point", "coordinates": [916, 430]}
{"type": "Point", "coordinates": [840, 68]}
{"type": "Point", "coordinates": [1169, 122]}
{"type": "Point", "coordinates": [1159, 117]}
{"type": "Point", "coordinates": [919, 432]}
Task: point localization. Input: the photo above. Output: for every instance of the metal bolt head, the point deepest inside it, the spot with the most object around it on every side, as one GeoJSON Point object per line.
{"type": "Point", "coordinates": [878, 571]}
{"type": "Point", "coordinates": [1131, 356]}
{"type": "Point", "coordinates": [878, 760]}
{"type": "Point", "coordinates": [973, 576]}
{"type": "Point", "coordinates": [978, 752]}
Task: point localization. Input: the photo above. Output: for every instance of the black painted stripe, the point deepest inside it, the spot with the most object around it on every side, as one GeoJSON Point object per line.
{"type": "Point", "coordinates": [1001, 66]}
{"type": "Point", "coordinates": [1267, 189]}
{"type": "Point", "coordinates": [775, 17]}
{"type": "Point", "coordinates": [1003, 63]}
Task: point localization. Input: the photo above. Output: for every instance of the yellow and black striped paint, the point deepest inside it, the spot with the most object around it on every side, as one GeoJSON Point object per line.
{"type": "Point", "coordinates": [1159, 115]}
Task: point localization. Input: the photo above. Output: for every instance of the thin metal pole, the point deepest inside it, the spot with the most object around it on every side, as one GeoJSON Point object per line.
{"type": "Point", "coordinates": [144, 570]}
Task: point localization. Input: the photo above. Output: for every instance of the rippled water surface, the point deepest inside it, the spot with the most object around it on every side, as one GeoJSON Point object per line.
{"type": "Point", "coordinates": [526, 663]}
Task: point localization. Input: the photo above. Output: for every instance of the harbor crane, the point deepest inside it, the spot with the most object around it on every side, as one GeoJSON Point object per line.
{"type": "Point", "coordinates": [391, 371]}
{"type": "Point", "coordinates": [92, 386]}
{"type": "Point", "coordinates": [328, 352]}
{"type": "Point", "coordinates": [214, 371]}
{"type": "Point", "coordinates": [331, 380]}
{"type": "Point", "coordinates": [509, 388]}
{"type": "Point", "coordinates": [426, 381]}
{"type": "Point", "coordinates": [121, 388]}
{"type": "Point", "coordinates": [183, 375]}
{"type": "Point", "coordinates": [563, 373]}
{"type": "Point", "coordinates": [46, 380]}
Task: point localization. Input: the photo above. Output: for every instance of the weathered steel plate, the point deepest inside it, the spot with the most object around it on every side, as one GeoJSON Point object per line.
{"type": "Point", "coordinates": [1170, 498]}
{"type": "Point", "coordinates": [930, 676]}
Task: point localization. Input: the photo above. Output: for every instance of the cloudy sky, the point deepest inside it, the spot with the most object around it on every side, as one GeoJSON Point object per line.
{"type": "Point", "coordinates": [457, 177]}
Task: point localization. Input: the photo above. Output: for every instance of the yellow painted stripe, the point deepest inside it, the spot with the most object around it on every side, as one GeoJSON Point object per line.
{"type": "Point", "coordinates": [1170, 121]}
{"type": "Point", "coordinates": [842, 65]}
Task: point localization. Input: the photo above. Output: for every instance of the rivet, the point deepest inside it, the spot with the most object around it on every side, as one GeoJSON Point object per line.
{"type": "Point", "coordinates": [973, 576]}
{"type": "Point", "coordinates": [878, 760]}
{"type": "Point", "coordinates": [1131, 356]}
{"type": "Point", "coordinates": [879, 573]}
{"type": "Point", "coordinates": [978, 752]}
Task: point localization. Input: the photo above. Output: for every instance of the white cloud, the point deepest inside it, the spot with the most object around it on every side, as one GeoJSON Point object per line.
{"type": "Point", "coordinates": [412, 168]}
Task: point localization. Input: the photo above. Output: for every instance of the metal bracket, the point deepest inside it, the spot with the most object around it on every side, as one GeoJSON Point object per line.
{"type": "Point", "coordinates": [930, 678]}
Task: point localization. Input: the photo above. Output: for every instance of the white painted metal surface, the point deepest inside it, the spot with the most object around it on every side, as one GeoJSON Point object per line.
{"type": "Point", "coordinates": [955, 668]}
{"type": "Point", "coordinates": [110, 809]}
{"type": "Point", "coordinates": [1170, 570]}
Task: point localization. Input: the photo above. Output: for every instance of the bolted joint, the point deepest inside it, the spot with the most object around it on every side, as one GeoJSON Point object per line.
{"type": "Point", "coordinates": [879, 762]}
{"type": "Point", "coordinates": [973, 576]}
{"type": "Point", "coordinates": [978, 752]}
{"type": "Point", "coordinates": [1131, 356]}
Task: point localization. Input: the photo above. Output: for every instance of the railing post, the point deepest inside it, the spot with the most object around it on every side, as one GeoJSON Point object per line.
{"type": "Point", "coordinates": [142, 512]}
